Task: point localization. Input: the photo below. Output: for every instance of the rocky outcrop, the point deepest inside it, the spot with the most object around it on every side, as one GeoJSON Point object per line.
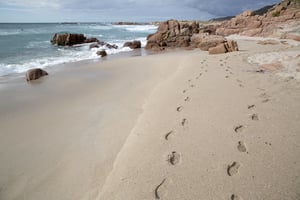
{"type": "Point", "coordinates": [101, 53]}
{"type": "Point", "coordinates": [172, 33]}
{"type": "Point", "coordinates": [35, 73]}
{"type": "Point", "coordinates": [189, 35]}
{"type": "Point", "coordinates": [136, 44]}
{"type": "Point", "coordinates": [68, 39]}
{"type": "Point", "coordinates": [249, 24]}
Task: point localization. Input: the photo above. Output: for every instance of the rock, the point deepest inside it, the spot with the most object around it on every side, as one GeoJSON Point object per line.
{"type": "Point", "coordinates": [133, 45]}
{"type": "Point", "coordinates": [248, 13]}
{"type": "Point", "coordinates": [205, 41]}
{"type": "Point", "coordinates": [90, 40]}
{"type": "Point", "coordinates": [172, 33]}
{"type": "Point", "coordinates": [102, 53]}
{"type": "Point", "coordinates": [94, 45]}
{"type": "Point", "coordinates": [218, 49]}
{"type": "Point", "coordinates": [231, 46]}
{"type": "Point", "coordinates": [35, 73]}
{"type": "Point", "coordinates": [67, 39]}
{"type": "Point", "coordinates": [227, 46]}
{"type": "Point", "coordinates": [111, 46]}
{"type": "Point", "coordinates": [284, 14]}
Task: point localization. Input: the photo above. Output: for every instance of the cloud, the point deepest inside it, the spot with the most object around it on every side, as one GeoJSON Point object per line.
{"type": "Point", "coordinates": [32, 3]}
{"type": "Point", "coordinates": [135, 9]}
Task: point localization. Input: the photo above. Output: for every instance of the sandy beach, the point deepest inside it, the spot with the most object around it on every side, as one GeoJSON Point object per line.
{"type": "Point", "coordinates": [177, 125]}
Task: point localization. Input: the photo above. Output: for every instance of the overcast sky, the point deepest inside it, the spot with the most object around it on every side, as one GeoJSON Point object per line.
{"type": "Point", "coordinates": [121, 10]}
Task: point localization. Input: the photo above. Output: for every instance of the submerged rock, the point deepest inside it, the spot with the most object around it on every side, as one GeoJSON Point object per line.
{"type": "Point", "coordinates": [102, 53]}
{"type": "Point", "coordinates": [35, 73]}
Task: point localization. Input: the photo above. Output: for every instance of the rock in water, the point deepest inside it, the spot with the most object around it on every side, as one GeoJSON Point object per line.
{"type": "Point", "coordinates": [136, 44]}
{"type": "Point", "coordinates": [102, 53]}
{"type": "Point", "coordinates": [35, 73]}
{"type": "Point", "coordinates": [68, 39]}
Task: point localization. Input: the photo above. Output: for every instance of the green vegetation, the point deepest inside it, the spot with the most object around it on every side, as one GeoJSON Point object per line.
{"type": "Point", "coordinates": [275, 14]}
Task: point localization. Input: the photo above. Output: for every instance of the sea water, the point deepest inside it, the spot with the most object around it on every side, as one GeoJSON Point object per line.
{"type": "Point", "coordinates": [24, 45]}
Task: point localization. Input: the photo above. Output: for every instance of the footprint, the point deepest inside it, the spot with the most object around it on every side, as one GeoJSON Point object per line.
{"type": "Point", "coordinates": [254, 117]}
{"type": "Point", "coordinates": [174, 158]}
{"type": "Point", "coordinates": [184, 121]}
{"type": "Point", "coordinates": [265, 100]}
{"type": "Point", "coordinates": [241, 85]}
{"type": "Point", "coordinates": [184, 91]}
{"type": "Point", "coordinates": [251, 106]}
{"type": "Point", "coordinates": [187, 99]}
{"type": "Point", "coordinates": [226, 76]}
{"type": "Point", "coordinates": [233, 168]}
{"type": "Point", "coordinates": [168, 134]}
{"type": "Point", "coordinates": [238, 128]}
{"type": "Point", "coordinates": [192, 85]}
{"type": "Point", "coordinates": [241, 146]}
{"type": "Point", "coordinates": [157, 189]}
{"type": "Point", "coordinates": [179, 108]}
{"type": "Point", "coordinates": [235, 197]}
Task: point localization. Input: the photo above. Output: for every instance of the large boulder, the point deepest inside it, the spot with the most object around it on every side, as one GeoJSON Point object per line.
{"type": "Point", "coordinates": [35, 73]}
{"type": "Point", "coordinates": [205, 41]}
{"type": "Point", "coordinates": [68, 39]}
{"type": "Point", "coordinates": [172, 33]}
{"type": "Point", "coordinates": [136, 44]}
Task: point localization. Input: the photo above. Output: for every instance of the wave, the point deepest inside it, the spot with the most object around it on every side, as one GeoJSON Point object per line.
{"type": "Point", "coordinates": [138, 28]}
{"type": "Point", "coordinates": [67, 55]}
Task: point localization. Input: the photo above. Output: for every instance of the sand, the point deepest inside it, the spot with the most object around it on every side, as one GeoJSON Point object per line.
{"type": "Point", "coordinates": [179, 125]}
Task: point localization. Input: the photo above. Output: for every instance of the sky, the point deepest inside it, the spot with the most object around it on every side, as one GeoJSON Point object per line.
{"type": "Point", "coordinates": [122, 10]}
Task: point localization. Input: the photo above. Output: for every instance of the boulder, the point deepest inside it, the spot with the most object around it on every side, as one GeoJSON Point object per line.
{"type": "Point", "coordinates": [227, 46]}
{"type": "Point", "coordinates": [136, 44]}
{"type": "Point", "coordinates": [218, 49]}
{"type": "Point", "coordinates": [67, 39]}
{"type": "Point", "coordinates": [102, 53]}
{"type": "Point", "coordinates": [111, 46]}
{"type": "Point", "coordinates": [231, 46]}
{"type": "Point", "coordinates": [205, 41]}
{"type": "Point", "coordinates": [172, 33]}
{"type": "Point", "coordinates": [35, 73]}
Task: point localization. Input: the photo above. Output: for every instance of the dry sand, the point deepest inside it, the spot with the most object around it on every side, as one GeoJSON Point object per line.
{"type": "Point", "coordinates": [181, 125]}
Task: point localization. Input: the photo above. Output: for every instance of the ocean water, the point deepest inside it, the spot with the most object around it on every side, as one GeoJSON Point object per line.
{"type": "Point", "coordinates": [25, 46]}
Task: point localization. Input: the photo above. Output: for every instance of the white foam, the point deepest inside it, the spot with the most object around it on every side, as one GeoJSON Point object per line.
{"type": "Point", "coordinates": [138, 28]}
